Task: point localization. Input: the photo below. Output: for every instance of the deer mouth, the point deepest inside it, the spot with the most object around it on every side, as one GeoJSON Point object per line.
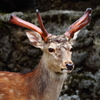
{"type": "Point", "coordinates": [68, 69]}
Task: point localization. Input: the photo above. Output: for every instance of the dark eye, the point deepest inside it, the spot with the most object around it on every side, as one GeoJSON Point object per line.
{"type": "Point", "coordinates": [51, 50]}
{"type": "Point", "coordinates": [71, 50]}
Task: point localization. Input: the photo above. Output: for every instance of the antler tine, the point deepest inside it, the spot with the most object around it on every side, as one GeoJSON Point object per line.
{"type": "Point", "coordinates": [80, 23]}
{"type": "Point", "coordinates": [17, 21]}
{"type": "Point", "coordinates": [82, 19]}
{"type": "Point", "coordinates": [45, 34]}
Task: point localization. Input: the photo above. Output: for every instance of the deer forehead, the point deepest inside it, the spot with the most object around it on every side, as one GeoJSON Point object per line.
{"type": "Point", "coordinates": [58, 42]}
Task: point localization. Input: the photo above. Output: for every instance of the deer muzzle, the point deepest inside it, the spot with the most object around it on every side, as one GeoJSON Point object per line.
{"type": "Point", "coordinates": [69, 66]}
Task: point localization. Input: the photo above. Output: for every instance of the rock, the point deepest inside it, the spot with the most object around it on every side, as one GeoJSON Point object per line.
{"type": "Point", "coordinates": [66, 97]}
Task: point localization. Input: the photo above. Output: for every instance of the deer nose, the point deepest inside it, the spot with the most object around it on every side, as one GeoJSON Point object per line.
{"type": "Point", "coordinates": [69, 66]}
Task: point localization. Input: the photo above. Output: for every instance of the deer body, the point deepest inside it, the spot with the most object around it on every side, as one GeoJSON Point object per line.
{"type": "Point", "coordinates": [46, 80]}
{"type": "Point", "coordinates": [15, 86]}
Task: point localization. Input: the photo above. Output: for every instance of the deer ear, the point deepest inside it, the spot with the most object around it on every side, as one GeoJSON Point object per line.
{"type": "Point", "coordinates": [72, 40]}
{"type": "Point", "coordinates": [35, 38]}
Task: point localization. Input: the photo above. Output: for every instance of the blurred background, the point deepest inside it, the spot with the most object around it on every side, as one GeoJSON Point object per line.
{"type": "Point", "coordinates": [17, 55]}
{"type": "Point", "coordinates": [45, 5]}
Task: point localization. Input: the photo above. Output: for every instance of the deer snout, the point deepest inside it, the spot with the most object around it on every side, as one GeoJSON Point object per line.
{"type": "Point", "coordinates": [69, 66]}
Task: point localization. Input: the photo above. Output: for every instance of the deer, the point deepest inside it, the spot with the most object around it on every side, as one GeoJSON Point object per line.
{"type": "Point", "coordinates": [45, 81]}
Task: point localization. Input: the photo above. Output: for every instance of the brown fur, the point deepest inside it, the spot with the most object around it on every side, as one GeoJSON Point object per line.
{"type": "Point", "coordinates": [45, 81]}
{"type": "Point", "coordinates": [35, 85]}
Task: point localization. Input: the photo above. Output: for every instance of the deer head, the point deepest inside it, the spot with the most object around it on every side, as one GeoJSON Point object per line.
{"type": "Point", "coordinates": [57, 49]}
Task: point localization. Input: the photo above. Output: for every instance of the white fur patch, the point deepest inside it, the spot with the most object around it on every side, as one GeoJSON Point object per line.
{"type": "Point", "coordinates": [11, 90]}
{"type": "Point", "coordinates": [2, 74]}
{"type": "Point", "coordinates": [1, 96]}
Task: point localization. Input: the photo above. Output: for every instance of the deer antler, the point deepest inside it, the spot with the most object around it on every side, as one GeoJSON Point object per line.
{"type": "Point", "coordinates": [45, 34]}
{"type": "Point", "coordinates": [15, 20]}
{"type": "Point", "coordinates": [80, 23]}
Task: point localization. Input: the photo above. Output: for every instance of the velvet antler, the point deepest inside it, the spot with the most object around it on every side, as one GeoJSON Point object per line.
{"type": "Point", "coordinates": [45, 34]}
{"type": "Point", "coordinates": [80, 23]}
{"type": "Point", "coordinates": [15, 20]}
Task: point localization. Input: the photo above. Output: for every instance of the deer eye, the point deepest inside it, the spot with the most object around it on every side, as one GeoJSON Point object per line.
{"type": "Point", "coordinates": [51, 50]}
{"type": "Point", "coordinates": [71, 50]}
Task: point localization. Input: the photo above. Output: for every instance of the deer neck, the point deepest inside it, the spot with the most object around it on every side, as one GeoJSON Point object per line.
{"type": "Point", "coordinates": [46, 82]}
